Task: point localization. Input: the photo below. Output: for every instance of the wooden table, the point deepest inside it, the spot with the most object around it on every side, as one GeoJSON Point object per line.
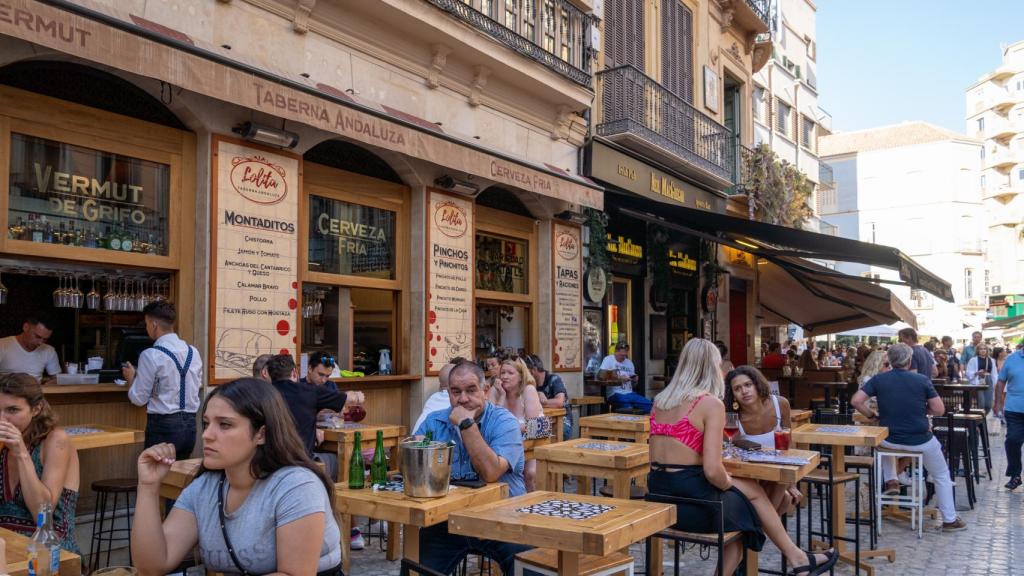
{"type": "Point", "coordinates": [412, 513]}
{"type": "Point", "coordinates": [626, 522]}
{"type": "Point", "coordinates": [618, 462]}
{"type": "Point", "coordinates": [105, 437]}
{"type": "Point", "coordinates": [969, 391]}
{"type": "Point", "coordinates": [17, 556]}
{"type": "Point", "coordinates": [629, 427]}
{"type": "Point", "coordinates": [839, 387]}
{"type": "Point", "coordinates": [867, 436]}
{"type": "Point", "coordinates": [341, 440]}
{"type": "Point", "coordinates": [557, 416]}
{"type": "Point", "coordinates": [798, 416]}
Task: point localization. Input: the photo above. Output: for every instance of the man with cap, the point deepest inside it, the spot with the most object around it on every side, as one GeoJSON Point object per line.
{"type": "Point", "coordinates": [619, 368]}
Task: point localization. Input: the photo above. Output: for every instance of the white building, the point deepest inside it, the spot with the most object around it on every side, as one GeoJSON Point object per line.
{"type": "Point", "coordinates": [915, 186]}
{"type": "Point", "coordinates": [995, 114]}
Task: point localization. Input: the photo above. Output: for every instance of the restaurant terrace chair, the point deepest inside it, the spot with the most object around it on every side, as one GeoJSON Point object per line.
{"type": "Point", "coordinates": [409, 567]}
{"type": "Point", "coordinates": [955, 443]}
{"type": "Point", "coordinates": [545, 561]}
{"type": "Point", "coordinates": [916, 497]}
{"type": "Point", "coordinates": [105, 528]}
{"type": "Point", "coordinates": [718, 539]}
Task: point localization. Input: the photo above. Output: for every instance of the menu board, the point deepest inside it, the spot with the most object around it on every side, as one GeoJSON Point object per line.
{"type": "Point", "coordinates": [567, 297]}
{"type": "Point", "coordinates": [255, 283]}
{"type": "Point", "coordinates": [450, 274]}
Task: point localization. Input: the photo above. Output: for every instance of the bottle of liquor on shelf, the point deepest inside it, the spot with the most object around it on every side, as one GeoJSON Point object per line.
{"type": "Point", "coordinates": [47, 230]}
{"type": "Point", "coordinates": [89, 240]}
{"type": "Point", "coordinates": [126, 240]}
{"type": "Point", "coordinates": [113, 239]}
{"type": "Point", "coordinates": [37, 229]}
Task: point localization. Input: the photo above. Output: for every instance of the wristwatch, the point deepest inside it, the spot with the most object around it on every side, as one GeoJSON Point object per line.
{"type": "Point", "coordinates": [466, 424]}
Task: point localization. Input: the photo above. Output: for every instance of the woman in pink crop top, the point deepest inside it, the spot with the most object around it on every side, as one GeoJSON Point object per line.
{"type": "Point", "coordinates": [686, 461]}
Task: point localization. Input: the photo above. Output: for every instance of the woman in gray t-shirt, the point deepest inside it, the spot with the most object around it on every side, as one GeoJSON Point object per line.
{"type": "Point", "coordinates": [256, 480]}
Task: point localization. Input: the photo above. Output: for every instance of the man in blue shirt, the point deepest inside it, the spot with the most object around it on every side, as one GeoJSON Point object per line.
{"type": "Point", "coordinates": [922, 361]}
{"type": "Point", "coordinates": [970, 350]}
{"type": "Point", "coordinates": [488, 447]}
{"type": "Point", "coordinates": [905, 400]}
{"type": "Point", "coordinates": [1009, 401]}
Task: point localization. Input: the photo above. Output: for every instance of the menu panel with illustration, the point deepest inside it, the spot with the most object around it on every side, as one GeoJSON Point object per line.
{"type": "Point", "coordinates": [567, 298]}
{"type": "Point", "coordinates": [450, 274]}
{"type": "Point", "coordinates": [256, 211]}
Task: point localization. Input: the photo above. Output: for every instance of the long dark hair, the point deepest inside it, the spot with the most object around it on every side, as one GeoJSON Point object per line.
{"type": "Point", "coordinates": [760, 384]}
{"type": "Point", "coordinates": [27, 387]}
{"type": "Point", "coordinates": [259, 402]}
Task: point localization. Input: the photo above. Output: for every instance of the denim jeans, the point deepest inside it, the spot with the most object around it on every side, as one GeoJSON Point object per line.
{"type": "Point", "coordinates": [630, 400]}
{"type": "Point", "coordinates": [444, 552]}
{"type": "Point", "coordinates": [1014, 440]}
{"type": "Point", "coordinates": [178, 429]}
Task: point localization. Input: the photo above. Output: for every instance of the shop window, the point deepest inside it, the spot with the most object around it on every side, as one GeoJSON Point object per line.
{"type": "Point", "coordinates": [351, 325]}
{"type": "Point", "coordinates": [76, 196]}
{"type": "Point", "coordinates": [502, 329]}
{"type": "Point", "coordinates": [620, 313]}
{"type": "Point", "coordinates": [351, 239]}
{"type": "Point", "coordinates": [501, 264]}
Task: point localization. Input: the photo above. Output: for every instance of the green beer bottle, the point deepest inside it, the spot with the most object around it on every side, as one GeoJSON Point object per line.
{"type": "Point", "coordinates": [379, 464]}
{"type": "Point", "coordinates": [356, 464]}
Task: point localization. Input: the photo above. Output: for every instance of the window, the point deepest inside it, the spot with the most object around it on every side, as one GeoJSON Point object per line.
{"type": "Point", "coordinates": [807, 134]}
{"type": "Point", "coordinates": [511, 7]}
{"type": "Point", "coordinates": [677, 50]}
{"type": "Point", "coordinates": [988, 283]}
{"type": "Point", "coordinates": [982, 153]}
{"type": "Point", "coordinates": [564, 32]}
{"type": "Point", "coordinates": [968, 283]}
{"type": "Point", "coordinates": [916, 294]}
{"type": "Point", "coordinates": [873, 230]}
{"type": "Point", "coordinates": [487, 7]}
{"type": "Point", "coordinates": [1020, 175]}
{"type": "Point", "coordinates": [812, 49]}
{"type": "Point", "coordinates": [759, 112]}
{"type": "Point", "coordinates": [549, 26]}
{"type": "Point", "coordinates": [529, 17]}
{"type": "Point", "coordinates": [983, 182]}
{"type": "Point", "coordinates": [501, 264]}
{"type": "Point", "coordinates": [783, 120]}
{"type": "Point", "coordinates": [981, 124]}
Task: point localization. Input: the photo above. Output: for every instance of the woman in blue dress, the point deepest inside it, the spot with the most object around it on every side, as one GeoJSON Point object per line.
{"type": "Point", "coordinates": [38, 463]}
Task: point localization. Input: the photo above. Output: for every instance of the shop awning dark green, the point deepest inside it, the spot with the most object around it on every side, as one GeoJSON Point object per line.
{"type": "Point", "coordinates": [772, 241]}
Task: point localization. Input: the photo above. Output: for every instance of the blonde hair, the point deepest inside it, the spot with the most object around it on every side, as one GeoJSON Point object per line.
{"type": "Point", "coordinates": [525, 378]}
{"type": "Point", "coordinates": [699, 372]}
{"type": "Point", "coordinates": [872, 366]}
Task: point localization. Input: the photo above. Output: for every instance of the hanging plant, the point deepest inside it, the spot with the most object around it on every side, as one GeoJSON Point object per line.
{"type": "Point", "coordinates": [597, 248]}
{"type": "Point", "coordinates": [779, 193]}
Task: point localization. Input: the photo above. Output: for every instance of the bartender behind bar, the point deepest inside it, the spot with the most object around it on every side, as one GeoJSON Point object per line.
{"type": "Point", "coordinates": [167, 382]}
{"type": "Point", "coordinates": [28, 352]}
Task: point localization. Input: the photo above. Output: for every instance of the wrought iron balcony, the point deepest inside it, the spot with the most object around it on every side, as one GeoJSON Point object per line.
{"type": "Point", "coordinates": [741, 168]}
{"type": "Point", "coordinates": [551, 32]}
{"type": "Point", "coordinates": [762, 8]}
{"type": "Point", "coordinates": [635, 107]}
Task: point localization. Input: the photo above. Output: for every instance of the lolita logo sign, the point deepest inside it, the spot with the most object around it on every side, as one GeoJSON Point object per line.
{"type": "Point", "coordinates": [567, 246]}
{"type": "Point", "coordinates": [450, 220]}
{"type": "Point", "coordinates": [258, 180]}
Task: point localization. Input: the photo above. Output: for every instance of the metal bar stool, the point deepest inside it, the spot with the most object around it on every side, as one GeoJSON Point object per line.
{"type": "Point", "coordinates": [104, 536]}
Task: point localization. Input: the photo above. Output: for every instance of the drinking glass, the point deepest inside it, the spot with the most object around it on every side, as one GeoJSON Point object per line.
{"type": "Point", "coordinates": [782, 436]}
{"type": "Point", "coordinates": [109, 299]}
{"type": "Point", "coordinates": [732, 427]}
{"type": "Point", "coordinates": [92, 299]}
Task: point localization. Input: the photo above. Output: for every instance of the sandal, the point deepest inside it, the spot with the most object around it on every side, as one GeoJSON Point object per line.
{"type": "Point", "coordinates": [813, 568]}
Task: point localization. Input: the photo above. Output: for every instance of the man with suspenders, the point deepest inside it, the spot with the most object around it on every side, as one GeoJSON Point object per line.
{"type": "Point", "coordinates": [167, 382]}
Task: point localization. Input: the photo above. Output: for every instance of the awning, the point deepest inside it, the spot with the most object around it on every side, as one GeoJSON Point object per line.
{"type": "Point", "coordinates": [133, 44]}
{"type": "Point", "coordinates": [801, 292]}
{"type": "Point", "coordinates": [772, 241]}
{"type": "Point", "coordinates": [1004, 324]}
{"type": "Point", "coordinates": [876, 331]}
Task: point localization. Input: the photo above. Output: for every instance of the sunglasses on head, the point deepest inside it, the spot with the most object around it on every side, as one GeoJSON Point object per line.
{"type": "Point", "coordinates": [326, 359]}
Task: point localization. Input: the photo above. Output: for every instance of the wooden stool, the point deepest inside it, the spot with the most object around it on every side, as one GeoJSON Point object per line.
{"type": "Point", "coordinates": [545, 561]}
{"type": "Point", "coordinates": [103, 535]}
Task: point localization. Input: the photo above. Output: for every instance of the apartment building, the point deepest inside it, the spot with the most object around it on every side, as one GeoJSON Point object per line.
{"type": "Point", "coordinates": [995, 115]}
{"type": "Point", "coordinates": [916, 186]}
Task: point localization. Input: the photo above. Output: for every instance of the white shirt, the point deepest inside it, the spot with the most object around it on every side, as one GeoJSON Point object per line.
{"type": "Point", "coordinates": [438, 401]}
{"type": "Point", "coordinates": [157, 380]}
{"type": "Point", "coordinates": [625, 367]}
{"type": "Point", "coordinates": [15, 359]}
{"type": "Point", "coordinates": [972, 371]}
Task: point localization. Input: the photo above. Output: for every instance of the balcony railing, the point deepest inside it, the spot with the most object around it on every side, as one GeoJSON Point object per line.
{"type": "Point", "coordinates": [632, 103]}
{"type": "Point", "coordinates": [551, 32]}
{"type": "Point", "coordinates": [763, 10]}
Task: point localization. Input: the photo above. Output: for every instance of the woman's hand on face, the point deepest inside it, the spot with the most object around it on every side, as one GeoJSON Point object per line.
{"type": "Point", "coordinates": [155, 462]}
{"type": "Point", "coordinates": [11, 437]}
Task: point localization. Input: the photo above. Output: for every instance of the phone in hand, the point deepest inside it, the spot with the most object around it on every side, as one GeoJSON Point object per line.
{"type": "Point", "coordinates": [468, 483]}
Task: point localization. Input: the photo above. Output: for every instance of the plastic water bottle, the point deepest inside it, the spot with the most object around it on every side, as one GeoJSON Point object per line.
{"type": "Point", "coordinates": [44, 547]}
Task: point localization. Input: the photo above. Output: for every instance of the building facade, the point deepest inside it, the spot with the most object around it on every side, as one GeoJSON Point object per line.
{"type": "Point", "coordinates": [902, 186]}
{"type": "Point", "coordinates": [995, 115]}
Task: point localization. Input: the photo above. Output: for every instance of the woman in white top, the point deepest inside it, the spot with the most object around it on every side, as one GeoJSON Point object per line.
{"type": "Point", "coordinates": [761, 412]}
{"type": "Point", "coordinates": [516, 391]}
{"type": "Point", "coordinates": [981, 370]}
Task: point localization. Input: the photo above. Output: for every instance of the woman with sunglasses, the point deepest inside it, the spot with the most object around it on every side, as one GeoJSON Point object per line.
{"type": "Point", "coordinates": [258, 504]}
{"type": "Point", "coordinates": [38, 464]}
{"type": "Point", "coordinates": [516, 391]}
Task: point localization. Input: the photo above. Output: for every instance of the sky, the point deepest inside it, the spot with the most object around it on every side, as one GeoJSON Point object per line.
{"type": "Point", "coordinates": [883, 62]}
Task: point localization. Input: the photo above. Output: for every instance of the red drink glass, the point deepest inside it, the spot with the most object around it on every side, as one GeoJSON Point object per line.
{"type": "Point", "coordinates": [730, 432]}
{"type": "Point", "coordinates": [782, 439]}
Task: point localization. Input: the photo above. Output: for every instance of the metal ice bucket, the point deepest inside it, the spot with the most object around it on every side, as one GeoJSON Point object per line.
{"type": "Point", "coordinates": [425, 469]}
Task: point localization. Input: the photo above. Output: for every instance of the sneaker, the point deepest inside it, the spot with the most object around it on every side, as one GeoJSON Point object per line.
{"type": "Point", "coordinates": [892, 488]}
{"type": "Point", "coordinates": [954, 526]}
{"type": "Point", "coordinates": [357, 542]}
{"type": "Point", "coordinates": [1014, 483]}
{"type": "Point", "coordinates": [904, 478]}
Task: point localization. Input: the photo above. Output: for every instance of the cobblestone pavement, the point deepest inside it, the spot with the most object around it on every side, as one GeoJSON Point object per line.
{"type": "Point", "coordinates": [992, 545]}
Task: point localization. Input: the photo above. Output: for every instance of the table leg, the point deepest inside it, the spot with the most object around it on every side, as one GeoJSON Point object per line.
{"type": "Point", "coordinates": [344, 455]}
{"type": "Point", "coordinates": [345, 522]}
{"type": "Point", "coordinates": [655, 563]}
{"type": "Point", "coordinates": [568, 563]}
{"type": "Point", "coordinates": [392, 549]}
{"type": "Point", "coordinates": [411, 542]}
{"type": "Point", "coordinates": [838, 497]}
{"type": "Point", "coordinates": [542, 480]}
{"type": "Point", "coordinates": [620, 485]}
{"type": "Point", "coordinates": [583, 485]}
{"type": "Point", "coordinates": [751, 563]}
{"type": "Point", "coordinates": [559, 430]}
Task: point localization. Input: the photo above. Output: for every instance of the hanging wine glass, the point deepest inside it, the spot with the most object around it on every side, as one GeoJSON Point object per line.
{"type": "Point", "coordinates": [92, 299]}
{"type": "Point", "coordinates": [109, 299]}
{"type": "Point", "coordinates": [76, 296]}
{"type": "Point", "coordinates": [58, 294]}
